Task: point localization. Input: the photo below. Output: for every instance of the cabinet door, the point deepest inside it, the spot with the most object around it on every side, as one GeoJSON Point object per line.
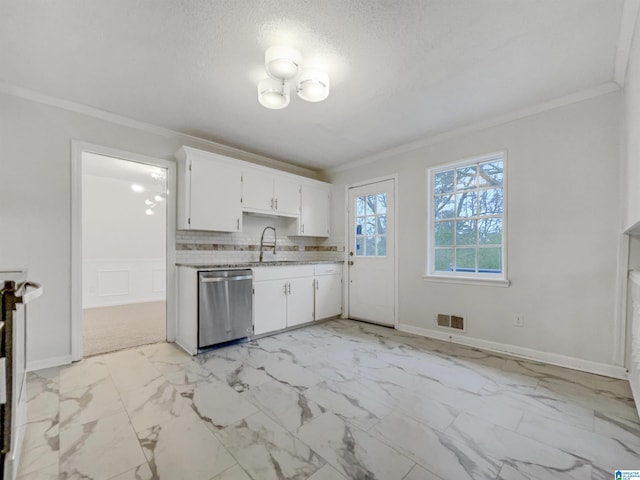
{"type": "Point", "coordinates": [300, 301]}
{"type": "Point", "coordinates": [328, 296]}
{"type": "Point", "coordinates": [257, 191]}
{"type": "Point", "coordinates": [269, 306]}
{"type": "Point", "coordinates": [314, 215]}
{"type": "Point", "coordinates": [215, 196]}
{"type": "Point", "coordinates": [287, 195]}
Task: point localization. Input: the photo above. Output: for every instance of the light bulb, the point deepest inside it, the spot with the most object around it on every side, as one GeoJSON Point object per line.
{"type": "Point", "coordinates": [137, 188]}
{"type": "Point", "coordinates": [282, 62]}
{"type": "Point", "coordinates": [313, 86]}
{"type": "Point", "coordinates": [148, 202]}
{"type": "Point", "coordinates": [158, 198]}
{"type": "Point", "coordinates": [273, 94]}
{"type": "Point", "coordinates": [148, 211]}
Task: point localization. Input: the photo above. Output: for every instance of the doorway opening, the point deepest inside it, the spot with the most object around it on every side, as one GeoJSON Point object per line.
{"type": "Point", "coordinates": [124, 253]}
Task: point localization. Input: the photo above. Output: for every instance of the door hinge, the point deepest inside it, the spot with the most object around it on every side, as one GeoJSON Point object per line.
{"type": "Point", "coordinates": [189, 221]}
{"type": "Point", "coordinates": [189, 166]}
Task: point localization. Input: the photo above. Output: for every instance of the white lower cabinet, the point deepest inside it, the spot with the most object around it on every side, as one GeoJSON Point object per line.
{"type": "Point", "coordinates": [282, 297]}
{"type": "Point", "coordinates": [328, 296]}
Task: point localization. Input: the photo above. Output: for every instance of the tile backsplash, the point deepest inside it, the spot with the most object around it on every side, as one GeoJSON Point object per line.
{"type": "Point", "coordinates": [194, 247]}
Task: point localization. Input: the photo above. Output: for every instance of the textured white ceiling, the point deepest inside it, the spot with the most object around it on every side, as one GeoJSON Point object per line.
{"type": "Point", "coordinates": [401, 70]}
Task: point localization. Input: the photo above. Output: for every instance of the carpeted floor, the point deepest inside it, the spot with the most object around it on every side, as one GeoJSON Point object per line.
{"type": "Point", "coordinates": [108, 329]}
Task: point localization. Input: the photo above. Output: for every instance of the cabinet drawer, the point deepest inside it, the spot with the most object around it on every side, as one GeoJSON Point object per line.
{"type": "Point", "coordinates": [284, 273]}
{"type": "Point", "coordinates": [329, 269]}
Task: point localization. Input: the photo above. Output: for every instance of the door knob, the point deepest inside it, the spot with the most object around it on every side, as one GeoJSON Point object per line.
{"type": "Point", "coordinates": [350, 262]}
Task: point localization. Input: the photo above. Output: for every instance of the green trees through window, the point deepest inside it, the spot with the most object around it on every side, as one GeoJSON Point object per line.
{"type": "Point", "coordinates": [467, 217]}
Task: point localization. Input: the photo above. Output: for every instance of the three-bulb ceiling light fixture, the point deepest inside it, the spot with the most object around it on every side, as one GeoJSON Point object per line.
{"type": "Point", "coordinates": [283, 65]}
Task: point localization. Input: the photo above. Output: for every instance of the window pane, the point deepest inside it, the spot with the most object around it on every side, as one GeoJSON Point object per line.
{"type": "Point", "coordinates": [371, 225]}
{"type": "Point", "coordinates": [490, 260]}
{"type": "Point", "coordinates": [371, 247]}
{"type": "Point", "coordinates": [359, 246]}
{"type": "Point", "coordinates": [465, 259]}
{"type": "Point", "coordinates": [466, 232]}
{"type": "Point", "coordinates": [382, 246]}
{"type": "Point", "coordinates": [444, 206]}
{"type": "Point", "coordinates": [382, 203]}
{"type": "Point", "coordinates": [491, 201]}
{"type": "Point", "coordinates": [467, 206]}
{"type": "Point", "coordinates": [360, 201]}
{"type": "Point", "coordinates": [443, 182]}
{"type": "Point", "coordinates": [370, 207]}
{"type": "Point", "coordinates": [490, 231]}
{"type": "Point", "coordinates": [444, 259]}
{"type": "Point", "coordinates": [444, 233]}
{"type": "Point", "coordinates": [382, 224]}
{"type": "Point", "coordinates": [465, 178]}
{"type": "Point", "coordinates": [359, 225]}
{"type": "Point", "coordinates": [491, 173]}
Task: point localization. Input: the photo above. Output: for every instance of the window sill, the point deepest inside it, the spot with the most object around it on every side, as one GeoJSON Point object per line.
{"type": "Point", "coordinates": [485, 282]}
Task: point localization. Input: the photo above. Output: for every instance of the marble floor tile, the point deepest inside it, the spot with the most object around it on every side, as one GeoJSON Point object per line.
{"type": "Point", "coordinates": [605, 401]}
{"type": "Point", "coordinates": [153, 404]}
{"type": "Point", "coordinates": [41, 458]}
{"type": "Point", "coordinates": [542, 403]}
{"type": "Point", "coordinates": [86, 404]}
{"type": "Point", "coordinates": [359, 410]}
{"type": "Point", "coordinates": [130, 369]}
{"type": "Point", "coordinates": [334, 400]}
{"type": "Point", "coordinates": [234, 473]}
{"type": "Point", "coordinates": [435, 451]}
{"type": "Point", "coordinates": [352, 451]}
{"type": "Point", "coordinates": [51, 472]}
{"type": "Point", "coordinates": [238, 375]}
{"type": "Point", "coordinates": [218, 405]}
{"type": "Point", "coordinates": [532, 457]}
{"type": "Point", "coordinates": [624, 430]}
{"type": "Point", "coordinates": [85, 373]}
{"type": "Point", "coordinates": [327, 472]}
{"type": "Point", "coordinates": [419, 473]}
{"type": "Point", "coordinates": [288, 406]}
{"type": "Point", "coordinates": [184, 448]}
{"type": "Point", "coordinates": [141, 472]}
{"type": "Point", "coordinates": [100, 449]}
{"type": "Point", "coordinates": [267, 451]}
{"type": "Point", "coordinates": [604, 451]}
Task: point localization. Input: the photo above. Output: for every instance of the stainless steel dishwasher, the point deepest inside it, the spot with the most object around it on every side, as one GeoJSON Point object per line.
{"type": "Point", "coordinates": [225, 306]}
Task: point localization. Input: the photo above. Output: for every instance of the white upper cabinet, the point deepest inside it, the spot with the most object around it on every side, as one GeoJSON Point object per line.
{"type": "Point", "coordinates": [209, 192]}
{"type": "Point", "coordinates": [314, 211]}
{"type": "Point", "coordinates": [214, 191]}
{"type": "Point", "coordinates": [270, 193]}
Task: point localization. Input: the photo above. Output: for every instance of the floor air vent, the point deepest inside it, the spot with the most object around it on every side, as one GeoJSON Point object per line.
{"type": "Point", "coordinates": [450, 321]}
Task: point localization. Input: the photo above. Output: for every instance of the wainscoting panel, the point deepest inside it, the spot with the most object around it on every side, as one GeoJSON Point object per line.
{"type": "Point", "coordinates": [108, 282]}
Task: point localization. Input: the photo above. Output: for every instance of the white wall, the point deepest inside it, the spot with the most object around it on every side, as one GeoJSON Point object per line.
{"type": "Point", "coordinates": [564, 221]}
{"type": "Point", "coordinates": [630, 131]}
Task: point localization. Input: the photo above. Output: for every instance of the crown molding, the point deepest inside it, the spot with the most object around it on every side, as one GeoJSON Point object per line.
{"type": "Point", "coordinates": [38, 97]}
{"type": "Point", "coordinates": [586, 94]}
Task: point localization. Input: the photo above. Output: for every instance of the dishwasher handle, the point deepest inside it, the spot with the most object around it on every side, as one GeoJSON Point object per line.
{"type": "Point", "coordinates": [225, 279]}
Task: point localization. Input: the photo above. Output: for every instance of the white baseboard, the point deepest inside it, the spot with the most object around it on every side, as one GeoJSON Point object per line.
{"type": "Point", "coordinates": [613, 371]}
{"type": "Point", "coordinates": [34, 365]}
{"type": "Point", "coordinates": [118, 303]}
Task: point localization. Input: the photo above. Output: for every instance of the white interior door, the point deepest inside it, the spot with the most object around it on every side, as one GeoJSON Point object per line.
{"type": "Point", "coordinates": [372, 252]}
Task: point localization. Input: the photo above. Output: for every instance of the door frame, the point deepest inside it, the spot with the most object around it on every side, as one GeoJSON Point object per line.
{"type": "Point", "coordinates": [394, 177]}
{"type": "Point", "coordinates": [77, 148]}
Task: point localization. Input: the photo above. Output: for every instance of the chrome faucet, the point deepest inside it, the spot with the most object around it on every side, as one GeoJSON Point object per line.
{"type": "Point", "coordinates": [272, 244]}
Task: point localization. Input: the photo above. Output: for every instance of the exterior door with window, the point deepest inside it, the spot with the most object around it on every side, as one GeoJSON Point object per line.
{"type": "Point", "coordinates": [372, 252]}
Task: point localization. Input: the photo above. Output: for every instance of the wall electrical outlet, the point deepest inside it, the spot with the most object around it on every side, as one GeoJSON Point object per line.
{"type": "Point", "coordinates": [519, 321]}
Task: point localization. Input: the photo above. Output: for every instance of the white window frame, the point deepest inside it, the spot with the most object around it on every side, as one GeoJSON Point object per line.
{"type": "Point", "coordinates": [491, 279]}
